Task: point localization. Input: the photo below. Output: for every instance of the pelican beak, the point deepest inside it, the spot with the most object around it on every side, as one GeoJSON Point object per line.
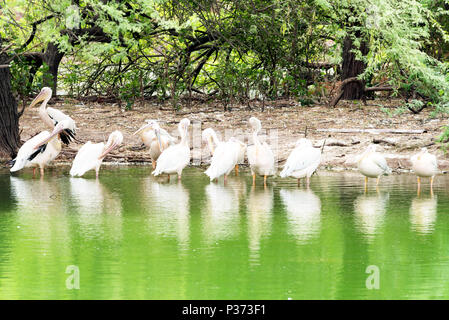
{"type": "Point", "coordinates": [142, 128]}
{"type": "Point", "coordinates": [111, 147]}
{"type": "Point", "coordinates": [40, 97]}
{"type": "Point", "coordinates": [158, 135]}
{"type": "Point", "coordinates": [55, 132]}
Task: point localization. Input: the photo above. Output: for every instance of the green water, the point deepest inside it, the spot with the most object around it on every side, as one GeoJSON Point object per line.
{"type": "Point", "coordinates": [136, 237]}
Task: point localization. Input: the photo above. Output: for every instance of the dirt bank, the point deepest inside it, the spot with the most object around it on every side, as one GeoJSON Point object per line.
{"type": "Point", "coordinates": [287, 120]}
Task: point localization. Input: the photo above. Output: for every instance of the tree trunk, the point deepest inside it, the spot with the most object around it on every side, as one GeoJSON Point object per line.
{"type": "Point", "coordinates": [353, 68]}
{"type": "Point", "coordinates": [9, 120]}
{"type": "Point", "coordinates": [52, 57]}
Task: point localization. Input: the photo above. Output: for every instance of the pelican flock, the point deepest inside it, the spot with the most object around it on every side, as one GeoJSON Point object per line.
{"type": "Point", "coordinates": [169, 157]}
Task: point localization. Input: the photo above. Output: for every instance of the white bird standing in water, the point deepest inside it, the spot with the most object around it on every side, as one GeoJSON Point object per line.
{"type": "Point", "coordinates": [91, 155]}
{"type": "Point", "coordinates": [225, 154]}
{"type": "Point", "coordinates": [260, 155]}
{"type": "Point", "coordinates": [372, 165]}
{"type": "Point", "coordinates": [425, 165]}
{"type": "Point", "coordinates": [176, 157]}
{"type": "Point", "coordinates": [40, 149]}
{"type": "Point", "coordinates": [302, 161]}
{"type": "Point", "coordinates": [156, 138]}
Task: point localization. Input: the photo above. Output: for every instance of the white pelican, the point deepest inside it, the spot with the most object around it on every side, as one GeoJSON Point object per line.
{"type": "Point", "coordinates": [260, 155]}
{"type": "Point", "coordinates": [302, 161]}
{"type": "Point", "coordinates": [52, 116]}
{"type": "Point", "coordinates": [225, 155]}
{"type": "Point", "coordinates": [425, 165]}
{"type": "Point", "coordinates": [156, 138]}
{"type": "Point", "coordinates": [176, 157]}
{"type": "Point", "coordinates": [91, 155]}
{"type": "Point", "coordinates": [372, 165]}
{"type": "Point", "coordinates": [40, 149]}
{"type": "Point", "coordinates": [212, 140]}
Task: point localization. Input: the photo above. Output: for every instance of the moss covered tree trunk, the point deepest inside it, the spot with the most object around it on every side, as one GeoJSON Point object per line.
{"type": "Point", "coordinates": [9, 120]}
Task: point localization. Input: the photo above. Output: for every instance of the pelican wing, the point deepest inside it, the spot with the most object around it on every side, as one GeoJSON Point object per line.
{"type": "Point", "coordinates": [300, 159]}
{"type": "Point", "coordinates": [87, 158]}
{"type": "Point", "coordinates": [380, 161]}
{"type": "Point", "coordinates": [27, 151]}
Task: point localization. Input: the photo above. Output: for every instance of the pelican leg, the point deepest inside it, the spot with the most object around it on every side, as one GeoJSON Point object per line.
{"type": "Point", "coordinates": [97, 173]}
{"type": "Point", "coordinates": [308, 182]}
{"type": "Point", "coordinates": [168, 177]}
{"type": "Point", "coordinates": [299, 182]}
{"type": "Point", "coordinates": [254, 179]}
{"type": "Point", "coordinates": [431, 182]}
{"type": "Point", "coordinates": [179, 177]}
{"type": "Point", "coordinates": [42, 171]}
{"type": "Point", "coordinates": [377, 181]}
{"type": "Point", "coordinates": [366, 184]}
{"type": "Point", "coordinates": [34, 172]}
{"type": "Point", "coordinates": [224, 179]}
{"type": "Point", "coordinates": [264, 181]}
{"type": "Point", "coordinates": [236, 169]}
{"type": "Point", "coordinates": [153, 163]}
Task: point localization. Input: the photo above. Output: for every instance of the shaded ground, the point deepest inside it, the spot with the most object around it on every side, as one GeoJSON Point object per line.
{"type": "Point", "coordinates": [291, 120]}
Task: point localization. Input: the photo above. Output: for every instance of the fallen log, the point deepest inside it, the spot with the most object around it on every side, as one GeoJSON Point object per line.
{"type": "Point", "coordinates": [345, 82]}
{"type": "Point", "coordinates": [373, 131]}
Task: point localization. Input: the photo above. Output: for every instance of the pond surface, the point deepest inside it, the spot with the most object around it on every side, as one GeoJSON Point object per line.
{"type": "Point", "coordinates": [132, 236]}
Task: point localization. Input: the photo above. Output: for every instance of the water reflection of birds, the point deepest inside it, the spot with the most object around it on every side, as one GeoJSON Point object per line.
{"type": "Point", "coordinates": [221, 212]}
{"type": "Point", "coordinates": [370, 211]}
{"type": "Point", "coordinates": [92, 197]}
{"type": "Point", "coordinates": [259, 213]}
{"type": "Point", "coordinates": [93, 201]}
{"type": "Point", "coordinates": [303, 212]}
{"type": "Point", "coordinates": [40, 207]}
{"type": "Point", "coordinates": [168, 209]}
{"type": "Point", "coordinates": [36, 195]}
{"type": "Point", "coordinates": [423, 214]}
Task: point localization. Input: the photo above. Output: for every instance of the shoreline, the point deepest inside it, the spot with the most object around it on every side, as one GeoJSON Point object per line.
{"type": "Point", "coordinates": [347, 129]}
